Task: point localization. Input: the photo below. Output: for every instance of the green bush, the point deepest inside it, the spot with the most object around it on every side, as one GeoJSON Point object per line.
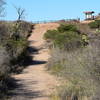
{"type": "Point", "coordinates": [95, 24]}
{"type": "Point", "coordinates": [67, 27]}
{"type": "Point", "coordinates": [66, 36]}
{"type": "Point", "coordinates": [68, 40]}
{"type": "Point", "coordinates": [15, 48]}
{"type": "Point", "coordinates": [51, 34]}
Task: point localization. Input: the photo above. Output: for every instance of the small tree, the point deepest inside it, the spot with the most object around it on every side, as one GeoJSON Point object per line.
{"type": "Point", "coordinates": [20, 13]}
{"type": "Point", "coordinates": [16, 28]}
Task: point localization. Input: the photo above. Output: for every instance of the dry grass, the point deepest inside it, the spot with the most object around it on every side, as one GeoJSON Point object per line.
{"type": "Point", "coordinates": [80, 68]}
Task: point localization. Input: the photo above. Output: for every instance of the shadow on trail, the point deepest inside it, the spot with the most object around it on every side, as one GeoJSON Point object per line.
{"type": "Point", "coordinates": [32, 50]}
{"type": "Point", "coordinates": [37, 62]}
{"type": "Point", "coordinates": [18, 90]}
{"type": "Point", "coordinates": [30, 60]}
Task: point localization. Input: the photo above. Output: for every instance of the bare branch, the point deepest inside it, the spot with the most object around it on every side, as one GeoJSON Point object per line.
{"type": "Point", "coordinates": [20, 13]}
{"type": "Point", "coordinates": [2, 3]}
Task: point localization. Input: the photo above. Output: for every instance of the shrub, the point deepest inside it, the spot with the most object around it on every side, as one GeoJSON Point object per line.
{"type": "Point", "coordinates": [67, 27]}
{"type": "Point", "coordinates": [20, 29]}
{"type": "Point", "coordinates": [4, 31]}
{"type": "Point", "coordinates": [8, 30]}
{"type": "Point", "coordinates": [4, 63]}
{"type": "Point", "coordinates": [65, 37]}
{"type": "Point", "coordinates": [95, 24]}
{"type": "Point", "coordinates": [68, 40]}
{"type": "Point", "coordinates": [13, 51]}
{"type": "Point", "coordinates": [51, 34]}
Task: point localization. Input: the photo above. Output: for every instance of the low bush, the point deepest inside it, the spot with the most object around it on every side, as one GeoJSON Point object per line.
{"type": "Point", "coordinates": [51, 34]}
{"type": "Point", "coordinates": [68, 40]}
{"type": "Point", "coordinates": [67, 27]}
{"type": "Point", "coordinates": [21, 28]}
{"type": "Point", "coordinates": [95, 24]}
{"type": "Point", "coordinates": [66, 37]}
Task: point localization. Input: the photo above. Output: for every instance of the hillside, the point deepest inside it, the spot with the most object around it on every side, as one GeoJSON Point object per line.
{"type": "Point", "coordinates": [35, 83]}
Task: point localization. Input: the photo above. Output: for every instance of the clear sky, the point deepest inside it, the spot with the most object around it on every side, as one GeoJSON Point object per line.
{"type": "Point", "coordinates": [37, 10]}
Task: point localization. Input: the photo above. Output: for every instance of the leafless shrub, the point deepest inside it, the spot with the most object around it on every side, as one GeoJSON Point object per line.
{"type": "Point", "coordinates": [20, 13]}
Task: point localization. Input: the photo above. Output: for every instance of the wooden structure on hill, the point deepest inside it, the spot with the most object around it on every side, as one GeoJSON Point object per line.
{"type": "Point", "coordinates": [89, 15]}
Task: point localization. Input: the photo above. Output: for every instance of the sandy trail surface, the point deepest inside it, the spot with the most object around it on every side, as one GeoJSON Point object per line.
{"type": "Point", "coordinates": [35, 83]}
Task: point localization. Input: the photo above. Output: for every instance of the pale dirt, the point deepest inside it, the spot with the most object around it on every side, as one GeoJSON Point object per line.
{"type": "Point", "coordinates": [87, 21]}
{"type": "Point", "coordinates": [35, 83]}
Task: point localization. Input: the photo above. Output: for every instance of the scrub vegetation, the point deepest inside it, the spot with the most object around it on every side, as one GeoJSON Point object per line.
{"type": "Point", "coordinates": [13, 48]}
{"type": "Point", "coordinates": [75, 59]}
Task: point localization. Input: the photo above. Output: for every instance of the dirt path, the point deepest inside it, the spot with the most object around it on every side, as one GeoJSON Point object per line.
{"type": "Point", "coordinates": [35, 83]}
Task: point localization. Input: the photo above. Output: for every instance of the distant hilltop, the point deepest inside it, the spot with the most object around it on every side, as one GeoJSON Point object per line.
{"type": "Point", "coordinates": [89, 17]}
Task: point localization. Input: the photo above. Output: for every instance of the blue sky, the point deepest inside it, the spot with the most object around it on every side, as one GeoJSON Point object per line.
{"type": "Point", "coordinates": [39, 10]}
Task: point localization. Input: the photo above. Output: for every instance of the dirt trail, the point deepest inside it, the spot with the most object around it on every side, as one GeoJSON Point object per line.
{"type": "Point", "coordinates": [35, 83]}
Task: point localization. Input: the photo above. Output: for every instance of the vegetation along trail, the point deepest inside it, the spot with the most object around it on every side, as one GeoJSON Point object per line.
{"type": "Point", "coordinates": [35, 83]}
